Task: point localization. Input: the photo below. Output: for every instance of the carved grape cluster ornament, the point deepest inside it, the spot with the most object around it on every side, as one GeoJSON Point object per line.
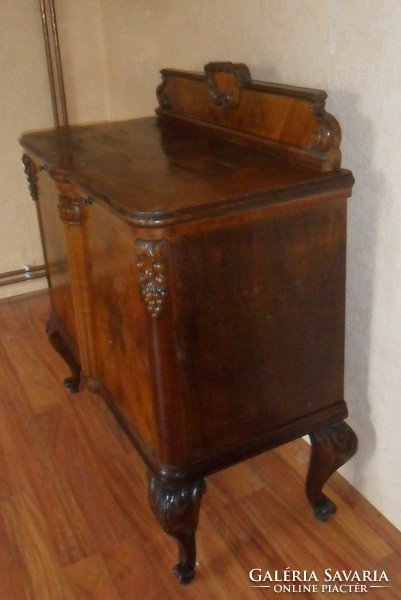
{"type": "Point", "coordinates": [152, 267]}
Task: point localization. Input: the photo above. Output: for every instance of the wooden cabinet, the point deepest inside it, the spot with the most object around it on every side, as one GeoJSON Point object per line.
{"type": "Point", "coordinates": [197, 270]}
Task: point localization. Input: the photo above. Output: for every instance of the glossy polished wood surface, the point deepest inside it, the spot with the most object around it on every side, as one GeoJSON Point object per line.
{"type": "Point", "coordinates": [263, 324]}
{"type": "Point", "coordinates": [119, 330]}
{"type": "Point", "coordinates": [288, 121]}
{"type": "Point", "coordinates": [206, 267]}
{"type": "Point", "coordinates": [74, 520]}
{"type": "Point", "coordinates": [178, 173]}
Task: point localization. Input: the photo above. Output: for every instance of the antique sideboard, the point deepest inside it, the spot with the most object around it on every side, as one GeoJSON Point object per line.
{"type": "Point", "coordinates": [196, 262]}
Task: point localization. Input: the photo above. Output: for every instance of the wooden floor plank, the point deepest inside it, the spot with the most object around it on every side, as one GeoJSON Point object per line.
{"type": "Point", "coordinates": [133, 573]}
{"type": "Point", "coordinates": [15, 324]}
{"type": "Point", "coordinates": [81, 470]}
{"type": "Point", "coordinates": [28, 363]}
{"type": "Point", "coordinates": [14, 470]}
{"type": "Point", "coordinates": [74, 516]}
{"type": "Point", "coordinates": [14, 579]}
{"type": "Point", "coordinates": [102, 431]}
{"type": "Point", "coordinates": [90, 580]}
{"type": "Point", "coordinates": [30, 465]}
{"type": "Point", "coordinates": [27, 532]}
{"type": "Point", "coordinates": [126, 481]}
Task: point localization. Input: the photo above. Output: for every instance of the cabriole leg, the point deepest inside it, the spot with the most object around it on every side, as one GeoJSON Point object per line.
{"type": "Point", "coordinates": [58, 344]}
{"type": "Point", "coordinates": [332, 447]}
{"type": "Point", "coordinates": [177, 509]}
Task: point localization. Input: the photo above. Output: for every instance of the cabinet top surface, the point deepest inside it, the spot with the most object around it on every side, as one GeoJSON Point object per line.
{"type": "Point", "coordinates": [156, 173]}
{"type": "Point", "coordinates": [222, 142]}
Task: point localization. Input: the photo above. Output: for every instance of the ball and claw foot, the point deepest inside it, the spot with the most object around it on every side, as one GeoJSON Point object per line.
{"type": "Point", "coordinates": [324, 509]}
{"type": "Point", "coordinates": [184, 572]}
{"type": "Point", "coordinates": [176, 506]}
{"type": "Point", "coordinates": [71, 384]}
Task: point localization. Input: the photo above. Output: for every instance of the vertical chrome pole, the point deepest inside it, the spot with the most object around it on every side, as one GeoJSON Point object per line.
{"type": "Point", "coordinates": [54, 66]}
{"type": "Point", "coordinates": [59, 68]}
{"type": "Point", "coordinates": [49, 62]}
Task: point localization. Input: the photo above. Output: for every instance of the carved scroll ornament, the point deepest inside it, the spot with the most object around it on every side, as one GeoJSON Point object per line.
{"type": "Point", "coordinates": [162, 96]}
{"type": "Point", "coordinates": [30, 172]}
{"type": "Point", "coordinates": [328, 135]}
{"type": "Point", "coordinates": [70, 209]}
{"type": "Point", "coordinates": [152, 267]}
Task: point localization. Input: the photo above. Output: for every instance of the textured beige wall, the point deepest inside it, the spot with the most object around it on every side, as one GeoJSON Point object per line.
{"type": "Point", "coordinates": [84, 58]}
{"type": "Point", "coordinates": [24, 104]}
{"type": "Point", "coordinates": [112, 53]}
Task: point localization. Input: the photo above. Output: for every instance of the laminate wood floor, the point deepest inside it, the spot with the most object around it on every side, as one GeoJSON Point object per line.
{"type": "Point", "coordinates": [75, 522]}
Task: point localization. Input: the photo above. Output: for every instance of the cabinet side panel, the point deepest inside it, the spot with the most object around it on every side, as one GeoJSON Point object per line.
{"type": "Point", "coordinates": [120, 331]}
{"type": "Point", "coordinates": [259, 322]}
{"type": "Point", "coordinates": [56, 255]}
